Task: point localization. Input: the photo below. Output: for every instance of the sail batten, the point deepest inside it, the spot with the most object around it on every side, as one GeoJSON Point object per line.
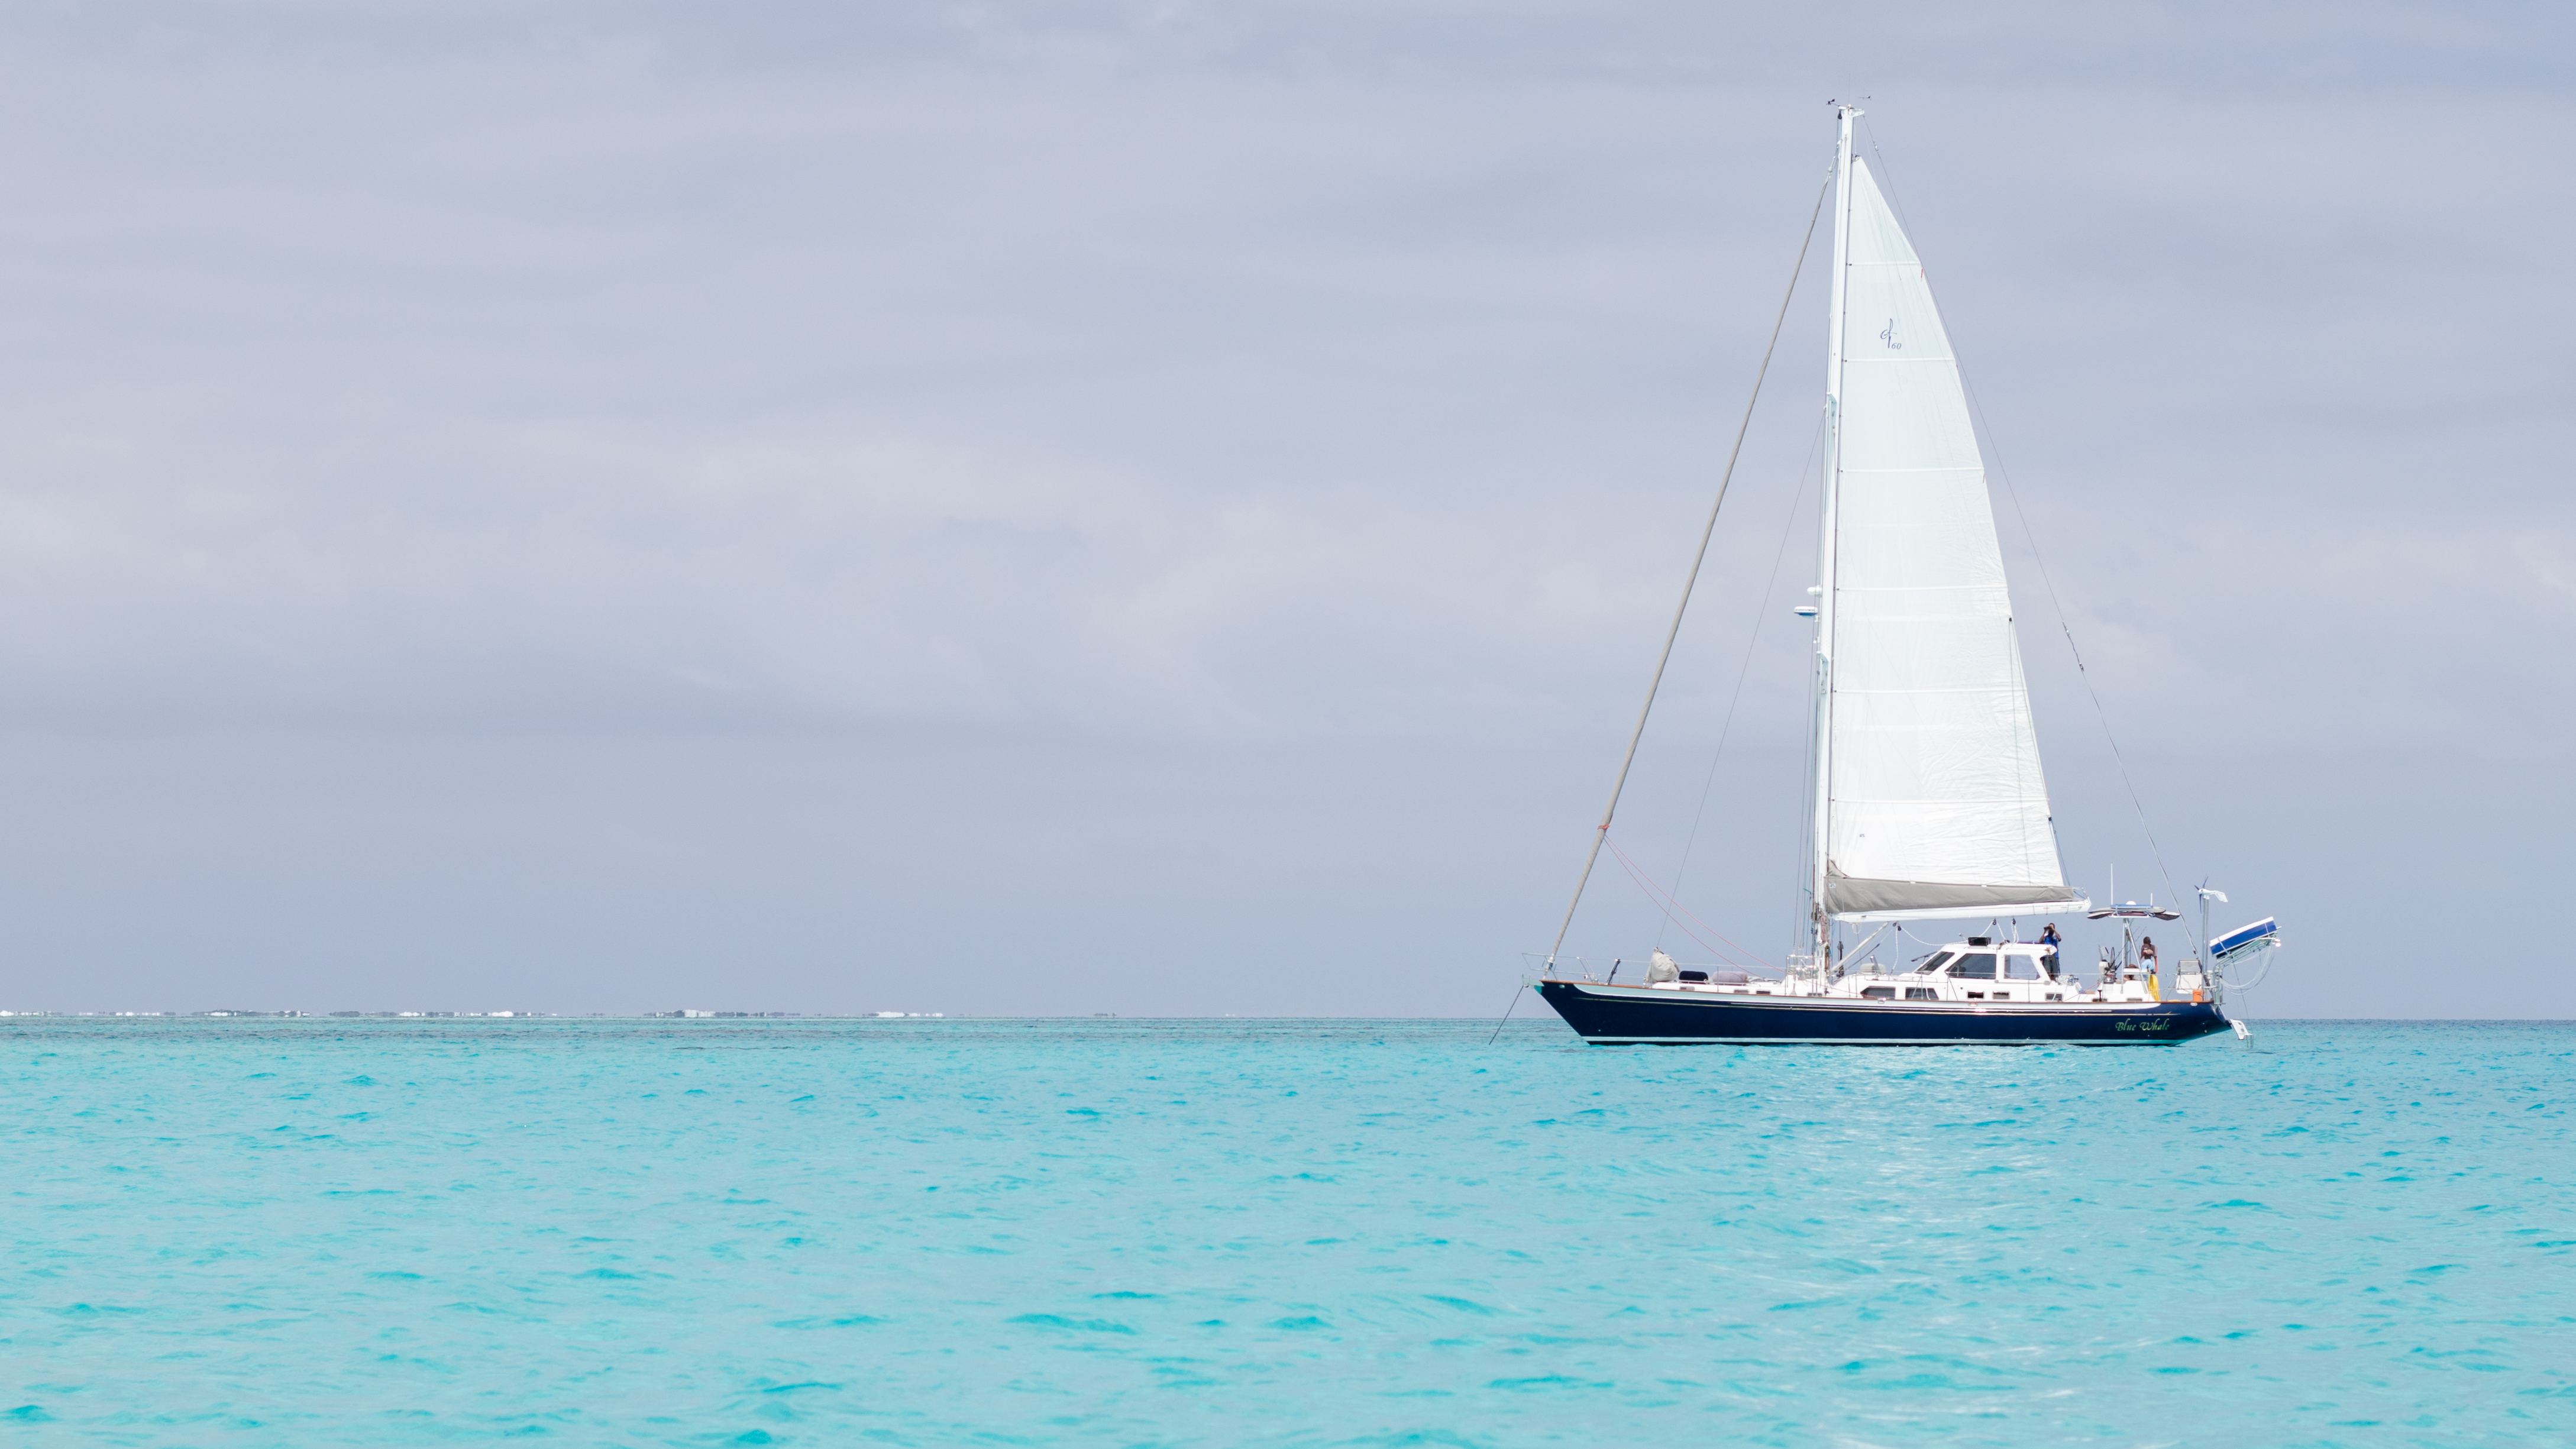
{"type": "Point", "coordinates": [1932, 795]}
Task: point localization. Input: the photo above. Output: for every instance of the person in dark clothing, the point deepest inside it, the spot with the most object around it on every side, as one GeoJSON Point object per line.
{"type": "Point", "coordinates": [2048, 937]}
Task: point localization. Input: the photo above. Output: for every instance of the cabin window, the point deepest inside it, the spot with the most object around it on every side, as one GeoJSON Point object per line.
{"type": "Point", "coordinates": [1921, 993]}
{"type": "Point", "coordinates": [1935, 964]}
{"type": "Point", "coordinates": [2021, 968]}
{"type": "Point", "coordinates": [1694, 976]}
{"type": "Point", "coordinates": [1977, 964]}
{"type": "Point", "coordinates": [1879, 993]}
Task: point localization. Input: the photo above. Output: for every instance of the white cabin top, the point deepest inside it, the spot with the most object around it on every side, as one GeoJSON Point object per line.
{"type": "Point", "coordinates": [1981, 958]}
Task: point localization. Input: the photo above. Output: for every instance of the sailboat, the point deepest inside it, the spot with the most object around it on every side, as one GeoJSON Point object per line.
{"type": "Point", "coordinates": [1927, 797]}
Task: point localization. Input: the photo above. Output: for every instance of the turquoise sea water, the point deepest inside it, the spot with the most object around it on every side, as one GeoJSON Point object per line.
{"type": "Point", "coordinates": [1278, 1233]}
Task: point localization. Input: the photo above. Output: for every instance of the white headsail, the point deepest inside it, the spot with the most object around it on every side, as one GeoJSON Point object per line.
{"type": "Point", "coordinates": [1933, 799]}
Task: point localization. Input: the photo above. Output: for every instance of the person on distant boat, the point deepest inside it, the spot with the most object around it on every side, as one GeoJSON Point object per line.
{"type": "Point", "coordinates": [2147, 959]}
{"type": "Point", "coordinates": [2048, 959]}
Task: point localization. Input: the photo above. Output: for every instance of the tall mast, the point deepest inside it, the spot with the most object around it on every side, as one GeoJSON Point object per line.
{"type": "Point", "coordinates": [1822, 754]}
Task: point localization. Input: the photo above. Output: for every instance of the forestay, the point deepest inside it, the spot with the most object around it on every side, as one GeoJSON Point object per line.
{"type": "Point", "coordinates": [1936, 802]}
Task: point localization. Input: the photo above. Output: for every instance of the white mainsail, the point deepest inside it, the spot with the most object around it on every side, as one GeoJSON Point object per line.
{"type": "Point", "coordinates": [1932, 799]}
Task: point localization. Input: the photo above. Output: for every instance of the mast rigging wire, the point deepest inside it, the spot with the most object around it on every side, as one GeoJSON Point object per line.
{"type": "Point", "coordinates": [1691, 581]}
{"type": "Point", "coordinates": [1752, 642]}
{"type": "Point", "coordinates": [2031, 540]}
{"type": "Point", "coordinates": [1671, 903]}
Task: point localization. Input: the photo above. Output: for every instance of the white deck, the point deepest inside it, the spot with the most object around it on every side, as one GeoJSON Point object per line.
{"type": "Point", "coordinates": [2011, 972]}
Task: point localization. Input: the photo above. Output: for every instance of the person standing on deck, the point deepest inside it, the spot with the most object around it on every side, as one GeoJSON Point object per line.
{"type": "Point", "coordinates": [2048, 937]}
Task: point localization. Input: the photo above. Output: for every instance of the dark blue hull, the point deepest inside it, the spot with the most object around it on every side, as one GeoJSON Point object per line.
{"type": "Point", "coordinates": [1632, 1015]}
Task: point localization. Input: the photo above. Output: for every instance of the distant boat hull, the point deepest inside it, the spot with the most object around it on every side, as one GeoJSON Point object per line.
{"type": "Point", "coordinates": [1642, 1016]}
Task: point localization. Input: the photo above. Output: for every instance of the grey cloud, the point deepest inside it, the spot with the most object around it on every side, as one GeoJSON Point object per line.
{"type": "Point", "coordinates": [1288, 387]}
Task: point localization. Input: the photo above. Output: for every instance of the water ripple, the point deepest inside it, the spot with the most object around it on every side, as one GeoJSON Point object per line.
{"type": "Point", "coordinates": [1288, 1234]}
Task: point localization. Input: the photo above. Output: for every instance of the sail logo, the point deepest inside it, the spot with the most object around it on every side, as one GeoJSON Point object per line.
{"type": "Point", "coordinates": [1889, 337]}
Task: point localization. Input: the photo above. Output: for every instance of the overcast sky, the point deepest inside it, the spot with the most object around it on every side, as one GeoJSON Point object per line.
{"type": "Point", "coordinates": [1164, 508]}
